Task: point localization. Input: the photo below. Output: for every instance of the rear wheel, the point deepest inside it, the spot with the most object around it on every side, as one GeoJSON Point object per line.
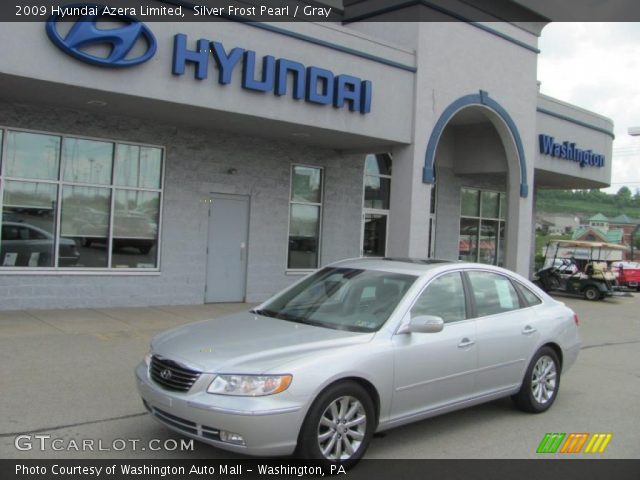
{"type": "Point", "coordinates": [541, 382]}
{"type": "Point", "coordinates": [591, 293]}
{"type": "Point", "coordinates": [339, 425]}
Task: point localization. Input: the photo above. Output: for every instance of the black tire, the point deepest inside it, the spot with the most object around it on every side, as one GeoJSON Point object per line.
{"type": "Point", "coordinates": [312, 428]}
{"type": "Point", "coordinates": [525, 399]}
{"type": "Point", "coordinates": [591, 293]}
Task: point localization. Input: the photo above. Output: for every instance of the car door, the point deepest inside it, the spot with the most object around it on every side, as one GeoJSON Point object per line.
{"type": "Point", "coordinates": [505, 331]}
{"type": "Point", "coordinates": [435, 369]}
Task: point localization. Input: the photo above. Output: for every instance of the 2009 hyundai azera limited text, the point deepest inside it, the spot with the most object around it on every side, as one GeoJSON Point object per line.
{"type": "Point", "coordinates": [358, 347]}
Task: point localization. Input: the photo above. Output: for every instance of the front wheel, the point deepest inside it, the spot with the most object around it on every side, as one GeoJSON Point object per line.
{"type": "Point", "coordinates": [541, 382]}
{"type": "Point", "coordinates": [339, 425]}
{"type": "Point", "coordinates": [591, 293]}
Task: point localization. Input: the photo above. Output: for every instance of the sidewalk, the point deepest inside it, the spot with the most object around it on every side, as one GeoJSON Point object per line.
{"type": "Point", "coordinates": [108, 321]}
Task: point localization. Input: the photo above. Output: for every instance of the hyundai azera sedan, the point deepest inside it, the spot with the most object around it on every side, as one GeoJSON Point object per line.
{"type": "Point", "coordinates": [359, 347]}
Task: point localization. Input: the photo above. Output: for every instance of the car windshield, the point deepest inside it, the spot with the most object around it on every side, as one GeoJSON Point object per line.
{"type": "Point", "coordinates": [342, 298]}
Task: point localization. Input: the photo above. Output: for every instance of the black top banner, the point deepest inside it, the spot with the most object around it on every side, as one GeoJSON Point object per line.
{"type": "Point", "coordinates": [341, 11]}
{"type": "Point", "coordinates": [584, 469]}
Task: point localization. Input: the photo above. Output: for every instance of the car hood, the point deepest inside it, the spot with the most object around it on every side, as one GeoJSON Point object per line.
{"type": "Point", "coordinates": [248, 343]}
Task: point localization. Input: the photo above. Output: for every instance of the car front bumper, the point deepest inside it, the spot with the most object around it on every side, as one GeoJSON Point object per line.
{"type": "Point", "coordinates": [268, 425]}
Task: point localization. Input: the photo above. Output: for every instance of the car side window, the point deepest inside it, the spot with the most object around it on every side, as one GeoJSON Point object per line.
{"type": "Point", "coordinates": [493, 293]}
{"type": "Point", "coordinates": [530, 298]}
{"type": "Point", "coordinates": [443, 297]}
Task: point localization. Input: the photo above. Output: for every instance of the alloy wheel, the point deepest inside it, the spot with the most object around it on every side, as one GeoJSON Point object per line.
{"type": "Point", "coordinates": [543, 379]}
{"type": "Point", "coordinates": [342, 428]}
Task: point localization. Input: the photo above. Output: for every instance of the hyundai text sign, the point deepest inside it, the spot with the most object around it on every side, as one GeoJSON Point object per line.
{"type": "Point", "coordinates": [134, 43]}
{"type": "Point", "coordinates": [84, 33]}
{"type": "Point", "coordinates": [569, 151]}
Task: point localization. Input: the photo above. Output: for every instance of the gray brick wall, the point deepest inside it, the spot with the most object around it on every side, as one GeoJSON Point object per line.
{"type": "Point", "coordinates": [197, 162]}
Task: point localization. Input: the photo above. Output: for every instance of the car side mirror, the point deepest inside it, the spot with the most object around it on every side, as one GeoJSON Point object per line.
{"type": "Point", "coordinates": [423, 324]}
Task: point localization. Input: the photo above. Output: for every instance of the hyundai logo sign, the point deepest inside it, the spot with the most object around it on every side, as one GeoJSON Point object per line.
{"type": "Point", "coordinates": [84, 33]}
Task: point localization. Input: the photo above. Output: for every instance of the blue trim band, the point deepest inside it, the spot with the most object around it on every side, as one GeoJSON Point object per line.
{"type": "Point", "coordinates": [305, 38]}
{"type": "Point", "coordinates": [481, 98]}
{"type": "Point", "coordinates": [577, 122]}
{"type": "Point", "coordinates": [450, 13]}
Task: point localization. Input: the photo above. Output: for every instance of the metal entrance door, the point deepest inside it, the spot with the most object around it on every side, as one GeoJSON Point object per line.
{"type": "Point", "coordinates": [227, 248]}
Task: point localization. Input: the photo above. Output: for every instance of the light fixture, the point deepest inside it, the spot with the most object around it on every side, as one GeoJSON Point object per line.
{"type": "Point", "coordinates": [232, 171]}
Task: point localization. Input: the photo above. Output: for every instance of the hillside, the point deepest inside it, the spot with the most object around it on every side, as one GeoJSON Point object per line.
{"type": "Point", "coordinates": [589, 202]}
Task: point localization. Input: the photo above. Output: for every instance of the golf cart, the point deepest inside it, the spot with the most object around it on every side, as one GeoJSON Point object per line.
{"type": "Point", "coordinates": [579, 268]}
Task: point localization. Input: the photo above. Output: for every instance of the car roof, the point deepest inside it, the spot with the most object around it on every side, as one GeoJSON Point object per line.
{"type": "Point", "coordinates": [410, 266]}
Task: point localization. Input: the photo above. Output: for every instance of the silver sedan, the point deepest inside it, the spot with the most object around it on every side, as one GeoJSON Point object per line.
{"type": "Point", "coordinates": [359, 347]}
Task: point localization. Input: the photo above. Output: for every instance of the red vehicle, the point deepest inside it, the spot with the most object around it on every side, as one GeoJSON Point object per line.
{"type": "Point", "coordinates": [628, 274]}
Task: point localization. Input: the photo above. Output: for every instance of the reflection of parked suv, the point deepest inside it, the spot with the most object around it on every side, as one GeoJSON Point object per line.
{"type": "Point", "coordinates": [25, 245]}
{"type": "Point", "coordinates": [130, 229]}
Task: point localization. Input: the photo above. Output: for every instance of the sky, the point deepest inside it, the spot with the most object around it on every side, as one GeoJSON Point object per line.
{"type": "Point", "coordinates": [597, 66]}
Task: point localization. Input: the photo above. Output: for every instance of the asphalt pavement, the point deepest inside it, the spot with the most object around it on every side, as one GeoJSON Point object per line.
{"type": "Point", "coordinates": [67, 376]}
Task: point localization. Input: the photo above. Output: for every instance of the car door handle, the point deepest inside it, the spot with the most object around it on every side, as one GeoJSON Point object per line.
{"type": "Point", "coordinates": [465, 342]}
{"type": "Point", "coordinates": [528, 330]}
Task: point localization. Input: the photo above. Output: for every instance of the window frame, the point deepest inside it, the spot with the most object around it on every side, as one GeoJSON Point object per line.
{"type": "Point", "coordinates": [469, 305]}
{"type": "Point", "coordinates": [375, 211]}
{"type": "Point", "coordinates": [500, 221]}
{"type": "Point", "coordinates": [522, 304]}
{"type": "Point", "coordinates": [60, 183]}
{"type": "Point", "coordinates": [304, 271]}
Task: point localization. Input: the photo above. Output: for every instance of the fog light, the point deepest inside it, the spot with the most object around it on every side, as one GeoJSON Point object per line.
{"type": "Point", "coordinates": [230, 437]}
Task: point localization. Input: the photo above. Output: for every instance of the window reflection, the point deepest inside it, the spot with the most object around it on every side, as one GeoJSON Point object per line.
{"type": "Point", "coordinates": [85, 220]}
{"type": "Point", "coordinates": [135, 229]}
{"type": "Point", "coordinates": [138, 166]}
{"type": "Point", "coordinates": [375, 233]}
{"type": "Point", "coordinates": [482, 232]}
{"type": "Point", "coordinates": [376, 192]}
{"type": "Point", "coordinates": [32, 155]}
{"type": "Point", "coordinates": [89, 232]}
{"type": "Point", "coordinates": [28, 223]}
{"type": "Point", "coordinates": [87, 161]}
{"type": "Point", "coordinates": [306, 184]}
{"type": "Point", "coordinates": [304, 229]}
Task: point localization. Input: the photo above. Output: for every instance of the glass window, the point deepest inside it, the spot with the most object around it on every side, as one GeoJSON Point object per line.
{"type": "Point", "coordinates": [304, 218]}
{"type": "Point", "coordinates": [378, 164]}
{"type": "Point", "coordinates": [100, 226]}
{"type": "Point", "coordinates": [468, 245]}
{"type": "Point", "coordinates": [138, 166]}
{"type": "Point", "coordinates": [135, 228]}
{"type": "Point", "coordinates": [503, 206]}
{"type": "Point", "coordinates": [306, 184]}
{"type": "Point", "coordinates": [376, 203]}
{"type": "Point", "coordinates": [341, 298]}
{"type": "Point", "coordinates": [490, 204]}
{"type": "Point", "coordinates": [375, 232]}
{"type": "Point", "coordinates": [85, 220]}
{"type": "Point", "coordinates": [377, 192]}
{"type": "Point", "coordinates": [481, 227]}
{"type": "Point", "coordinates": [32, 155]}
{"type": "Point", "coordinates": [28, 224]}
{"type": "Point", "coordinates": [530, 298]}
{"type": "Point", "coordinates": [87, 161]}
{"type": "Point", "coordinates": [493, 293]}
{"type": "Point", "coordinates": [443, 297]}
{"type": "Point", "coordinates": [470, 202]}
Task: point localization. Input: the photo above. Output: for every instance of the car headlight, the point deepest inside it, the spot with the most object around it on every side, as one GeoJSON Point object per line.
{"type": "Point", "coordinates": [249, 385]}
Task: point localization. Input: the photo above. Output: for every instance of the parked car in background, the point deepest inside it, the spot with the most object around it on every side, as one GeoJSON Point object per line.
{"type": "Point", "coordinates": [25, 245]}
{"type": "Point", "coordinates": [359, 346]}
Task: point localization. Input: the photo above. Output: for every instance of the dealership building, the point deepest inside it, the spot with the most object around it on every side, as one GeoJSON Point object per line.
{"type": "Point", "coordinates": [184, 162]}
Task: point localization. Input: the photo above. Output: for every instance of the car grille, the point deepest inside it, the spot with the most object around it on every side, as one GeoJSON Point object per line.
{"type": "Point", "coordinates": [171, 375]}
